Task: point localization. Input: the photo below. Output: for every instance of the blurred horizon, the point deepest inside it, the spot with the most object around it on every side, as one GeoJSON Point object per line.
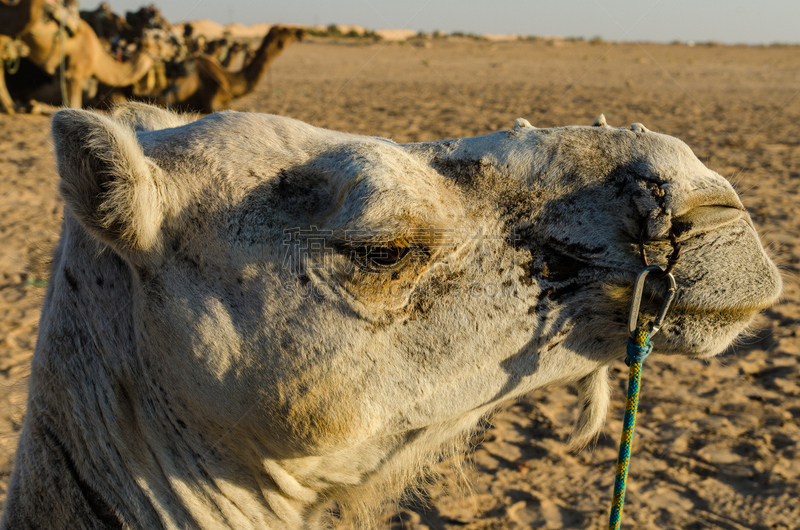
{"type": "Point", "coordinates": [726, 22]}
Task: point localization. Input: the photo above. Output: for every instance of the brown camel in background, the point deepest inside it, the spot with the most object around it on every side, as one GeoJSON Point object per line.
{"type": "Point", "coordinates": [16, 17]}
{"type": "Point", "coordinates": [9, 54]}
{"type": "Point", "coordinates": [105, 22]}
{"type": "Point", "coordinates": [5, 98]}
{"type": "Point", "coordinates": [147, 17]}
{"type": "Point", "coordinates": [236, 57]}
{"type": "Point", "coordinates": [82, 55]}
{"type": "Point", "coordinates": [205, 86]}
{"type": "Point", "coordinates": [211, 87]}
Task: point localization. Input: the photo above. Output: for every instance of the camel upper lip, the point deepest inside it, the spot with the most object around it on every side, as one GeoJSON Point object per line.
{"type": "Point", "coordinates": [706, 218]}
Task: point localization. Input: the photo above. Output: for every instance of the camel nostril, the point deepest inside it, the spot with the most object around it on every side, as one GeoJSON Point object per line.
{"type": "Point", "coordinates": [704, 219]}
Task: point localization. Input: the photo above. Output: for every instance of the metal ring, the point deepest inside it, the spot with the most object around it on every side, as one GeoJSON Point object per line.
{"type": "Point", "coordinates": [638, 288]}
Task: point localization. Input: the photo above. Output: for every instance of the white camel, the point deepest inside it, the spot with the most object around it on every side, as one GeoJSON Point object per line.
{"type": "Point", "coordinates": [251, 320]}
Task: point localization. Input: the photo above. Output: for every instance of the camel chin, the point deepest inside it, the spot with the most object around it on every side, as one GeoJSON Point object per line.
{"type": "Point", "coordinates": [250, 319]}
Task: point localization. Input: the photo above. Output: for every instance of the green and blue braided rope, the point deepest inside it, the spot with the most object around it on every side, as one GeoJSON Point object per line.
{"type": "Point", "coordinates": [639, 348]}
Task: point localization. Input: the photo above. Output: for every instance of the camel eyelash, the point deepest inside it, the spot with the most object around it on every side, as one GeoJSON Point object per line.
{"type": "Point", "coordinates": [385, 255]}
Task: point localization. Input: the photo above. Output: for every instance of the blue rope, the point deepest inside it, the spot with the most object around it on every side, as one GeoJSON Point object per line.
{"type": "Point", "coordinates": [638, 353]}
{"type": "Point", "coordinates": [639, 348]}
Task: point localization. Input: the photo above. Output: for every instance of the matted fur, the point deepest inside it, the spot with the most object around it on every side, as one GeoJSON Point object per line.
{"type": "Point", "coordinates": [251, 321]}
{"type": "Point", "coordinates": [594, 396]}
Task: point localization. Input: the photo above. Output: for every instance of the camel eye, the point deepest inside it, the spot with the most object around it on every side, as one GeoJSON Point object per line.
{"type": "Point", "coordinates": [386, 256]}
{"type": "Point", "coordinates": [382, 257]}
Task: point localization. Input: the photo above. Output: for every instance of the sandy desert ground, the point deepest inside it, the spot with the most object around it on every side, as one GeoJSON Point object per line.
{"type": "Point", "coordinates": [718, 442]}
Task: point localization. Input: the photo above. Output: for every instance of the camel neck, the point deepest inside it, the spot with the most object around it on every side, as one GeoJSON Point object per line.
{"type": "Point", "coordinates": [103, 444]}
{"type": "Point", "coordinates": [246, 79]}
{"type": "Point", "coordinates": [72, 460]}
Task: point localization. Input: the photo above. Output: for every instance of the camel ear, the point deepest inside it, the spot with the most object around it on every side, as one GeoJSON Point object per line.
{"type": "Point", "coordinates": [143, 117]}
{"type": "Point", "coordinates": [107, 181]}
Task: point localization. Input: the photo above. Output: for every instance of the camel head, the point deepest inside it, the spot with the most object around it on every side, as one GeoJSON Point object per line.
{"type": "Point", "coordinates": [331, 310]}
{"type": "Point", "coordinates": [283, 35]}
{"type": "Point", "coordinates": [147, 17]}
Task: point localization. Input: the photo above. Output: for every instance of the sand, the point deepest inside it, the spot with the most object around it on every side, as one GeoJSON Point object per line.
{"type": "Point", "coordinates": [717, 443]}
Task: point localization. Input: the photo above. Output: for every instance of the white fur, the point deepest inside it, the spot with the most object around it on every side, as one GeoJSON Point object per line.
{"type": "Point", "coordinates": [194, 368]}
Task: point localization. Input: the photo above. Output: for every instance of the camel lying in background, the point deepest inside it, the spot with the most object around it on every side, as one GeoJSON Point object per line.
{"type": "Point", "coordinates": [146, 18]}
{"type": "Point", "coordinates": [250, 319]}
{"type": "Point", "coordinates": [10, 54]}
{"type": "Point", "coordinates": [206, 85]}
{"type": "Point", "coordinates": [83, 56]}
{"type": "Point", "coordinates": [211, 87]}
{"type": "Point", "coordinates": [195, 84]}
{"type": "Point", "coordinates": [107, 24]}
{"type": "Point", "coordinates": [15, 18]}
{"type": "Point", "coordinates": [110, 26]}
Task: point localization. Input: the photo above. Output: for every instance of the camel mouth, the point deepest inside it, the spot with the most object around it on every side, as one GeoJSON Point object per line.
{"type": "Point", "coordinates": [706, 219]}
{"type": "Point", "coordinates": [722, 271]}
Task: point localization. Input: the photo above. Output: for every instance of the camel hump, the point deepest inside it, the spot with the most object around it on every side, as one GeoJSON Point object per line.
{"type": "Point", "coordinates": [107, 182]}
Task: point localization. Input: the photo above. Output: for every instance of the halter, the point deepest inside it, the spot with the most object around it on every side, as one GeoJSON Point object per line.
{"type": "Point", "coordinates": [639, 348]}
{"type": "Point", "coordinates": [11, 64]}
